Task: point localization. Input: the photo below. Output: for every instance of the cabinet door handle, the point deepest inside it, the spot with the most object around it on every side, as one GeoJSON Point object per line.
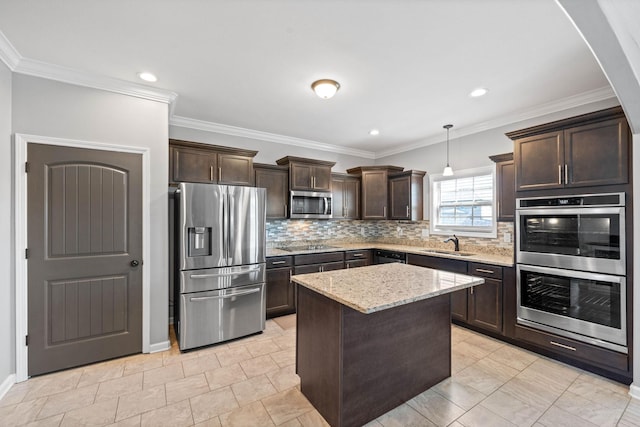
{"type": "Point", "coordinates": [407, 211]}
{"type": "Point", "coordinates": [220, 173]}
{"type": "Point", "coordinates": [482, 270]}
{"type": "Point", "coordinates": [471, 288]}
{"type": "Point", "coordinates": [289, 275]}
{"type": "Point", "coordinates": [210, 173]}
{"type": "Point", "coordinates": [285, 210]}
{"type": "Point", "coordinates": [566, 347]}
{"type": "Point", "coordinates": [357, 255]}
{"type": "Point", "coordinates": [278, 262]}
{"type": "Point", "coordinates": [559, 174]}
{"type": "Point", "coordinates": [384, 211]}
{"type": "Point", "coordinates": [566, 173]}
{"type": "Point", "coordinates": [347, 265]}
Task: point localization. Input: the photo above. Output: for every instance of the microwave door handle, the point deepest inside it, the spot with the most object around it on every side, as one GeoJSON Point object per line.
{"type": "Point", "coordinates": [326, 205]}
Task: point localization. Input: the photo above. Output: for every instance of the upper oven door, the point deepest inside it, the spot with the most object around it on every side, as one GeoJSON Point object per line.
{"type": "Point", "coordinates": [580, 238]}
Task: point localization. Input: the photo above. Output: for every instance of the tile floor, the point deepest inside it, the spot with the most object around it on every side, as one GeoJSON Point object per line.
{"type": "Point", "coordinates": [252, 382]}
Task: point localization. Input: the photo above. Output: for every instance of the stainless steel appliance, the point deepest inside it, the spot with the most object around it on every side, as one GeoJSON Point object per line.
{"type": "Point", "coordinates": [570, 255]}
{"type": "Point", "coordinates": [582, 305]}
{"type": "Point", "coordinates": [385, 257]}
{"type": "Point", "coordinates": [310, 204]}
{"type": "Point", "coordinates": [584, 232]}
{"type": "Point", "coordinates": [220, 263]}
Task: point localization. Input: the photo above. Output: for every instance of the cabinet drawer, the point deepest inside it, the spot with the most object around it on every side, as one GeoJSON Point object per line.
{"type": "Point", "coordinates": [354, 255]}
{"type": "Point", "coordinates": [596, 355]}
{"type": "Point", "coordinates": [485, 270]}
{"type": "Point", "coordinates": [279, 261]}
{"type": "Point", "coordinates": [318, 258]}
{"type": "Point", "coordinates": [356, 263]}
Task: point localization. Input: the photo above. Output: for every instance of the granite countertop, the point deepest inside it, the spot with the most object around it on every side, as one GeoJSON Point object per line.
{"type": "Point", "coordinates": [501, 260]}
{"type": "Point", "coordinates": [378, 287]}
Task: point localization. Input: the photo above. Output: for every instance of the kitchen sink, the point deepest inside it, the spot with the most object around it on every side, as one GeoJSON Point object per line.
{"type": "Point", "coordinates": [450, 253]}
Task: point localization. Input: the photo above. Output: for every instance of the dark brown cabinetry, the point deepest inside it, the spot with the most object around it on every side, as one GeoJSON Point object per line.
{"type": "Point", "coordinates": [359, 258]}
{"type": "Point", "coordinates": [281, 298]}
{"type": "Point", "coordinates": [314, 263]}
{"type": "Point", "coordinates": [374, 197]}
{"type": "Point", "coordinates": [345, 192]}
{"type": "Point", "coordinates": [584, 151]}
{"type": "Point", "coordinates": [505, 186]}
{"type": "Point", "coordinates": [405, 195]}
{"type": "Point", "coordinates": [204, 163]}
{"type": "Point", "coordinates": [276, 180]}
{"type": "Point", "coordinates": [308, 174]}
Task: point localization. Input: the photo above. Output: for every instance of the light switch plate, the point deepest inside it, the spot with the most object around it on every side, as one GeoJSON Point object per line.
{"type": "Point", "coordinates": [425, 232]}
{"type": "Point", "coordinates": [507, 237]}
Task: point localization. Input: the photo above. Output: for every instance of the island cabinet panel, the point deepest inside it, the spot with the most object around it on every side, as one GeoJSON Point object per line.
{"type": "Point", "coordinates": [354, 367]}
{"type": "Point", "coordinates": [280, 290]}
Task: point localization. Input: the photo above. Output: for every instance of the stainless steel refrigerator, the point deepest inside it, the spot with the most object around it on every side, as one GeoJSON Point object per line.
{"type": "Point", "coordinates": [220, 263]}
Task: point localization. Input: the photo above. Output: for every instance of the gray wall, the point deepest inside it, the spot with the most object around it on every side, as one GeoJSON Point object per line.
{"type": "Point", "coordinates": [7, 295]}
{"type": "Point", "coordinates": [268, 152]}
{"type": "Point", "coordinates": [48, 108]}
{"type": "Point", "coordinates": [473, 151]}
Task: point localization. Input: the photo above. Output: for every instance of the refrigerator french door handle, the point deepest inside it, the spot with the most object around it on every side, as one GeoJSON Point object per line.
{"type": "Point", "coordinates": [230, 226]}
{"type": "Point", "coordinates": [237, 294]}
{"type": "Point", "coordinates": [235, 273]}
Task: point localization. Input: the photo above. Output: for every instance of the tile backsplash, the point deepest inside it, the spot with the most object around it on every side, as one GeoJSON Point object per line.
{"type": "Point", "coordinates": [296, 232]}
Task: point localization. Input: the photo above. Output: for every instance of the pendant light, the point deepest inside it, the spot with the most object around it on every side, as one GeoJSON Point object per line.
{"type": "Point", "coordinates": [447, 170]}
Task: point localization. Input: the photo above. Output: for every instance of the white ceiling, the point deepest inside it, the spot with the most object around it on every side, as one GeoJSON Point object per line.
{"type": "Point", "coordinates": [405, 66]}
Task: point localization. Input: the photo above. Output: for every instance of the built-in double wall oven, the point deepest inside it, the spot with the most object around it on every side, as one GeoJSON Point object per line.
{"type": "Point", "coordinates": [571, 267]}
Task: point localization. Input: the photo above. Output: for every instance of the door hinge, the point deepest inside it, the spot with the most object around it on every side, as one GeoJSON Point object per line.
{"type": "Point", "coordinates": [26, 340]}
{"type": "Point", "coordinates": [26, 253]}
{"type": "Point", "coordinates": [26, 167]}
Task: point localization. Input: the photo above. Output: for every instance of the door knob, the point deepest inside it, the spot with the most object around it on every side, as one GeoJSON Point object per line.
{"type": "Point", "coordinates": [135, 263]}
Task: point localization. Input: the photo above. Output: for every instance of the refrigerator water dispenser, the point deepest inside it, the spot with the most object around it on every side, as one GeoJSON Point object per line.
{"type": "Point", "coordinates": [199, 241]}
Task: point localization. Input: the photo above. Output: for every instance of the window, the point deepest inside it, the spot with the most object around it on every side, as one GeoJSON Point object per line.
{"type": "Point", "coordinates": [464, 203]}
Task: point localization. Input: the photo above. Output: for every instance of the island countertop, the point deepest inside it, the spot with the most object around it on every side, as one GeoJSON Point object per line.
{"type": "Point", "coordinates": [379, 287]}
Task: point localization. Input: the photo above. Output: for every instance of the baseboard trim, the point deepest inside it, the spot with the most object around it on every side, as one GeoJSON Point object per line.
{"type": "Point", "coordinates": [634, 391]}
{"type": "Point", "coordinates": [7, 384]}
{"type": "Point", "coordinates": [159, 346]}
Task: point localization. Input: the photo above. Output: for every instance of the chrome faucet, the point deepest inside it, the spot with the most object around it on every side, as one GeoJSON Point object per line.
{"type": "Point", "coordinates": [455, 241]}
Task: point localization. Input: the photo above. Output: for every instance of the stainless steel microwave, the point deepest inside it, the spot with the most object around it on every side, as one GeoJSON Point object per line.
{"type": "Point", "coordinates": [310, 205]}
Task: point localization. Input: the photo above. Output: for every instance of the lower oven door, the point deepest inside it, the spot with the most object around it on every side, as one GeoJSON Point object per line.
{"type": "Point", "coordinates": [590, 307]}
{"type": "Point", "coordinates": [215, 316]}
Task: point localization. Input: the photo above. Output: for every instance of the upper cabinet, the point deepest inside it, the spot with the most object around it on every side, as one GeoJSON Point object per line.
{"type": "Point", "coordinates": [345, 196]}
{"type": "Point", "coordinates": [308, 174]}
{"type": "Point", "coordinates": [584, 151]}
{"type": "Point", "coordinates": [405, 195]}
{"type": "Point", "coordinates": [276, 180]}
{"type": "Point", "coordinates": [205, 163]}
{"type": "Point", "coordinates": [374, 197]}
{"type": "Point", "coordinates": [505, 186]}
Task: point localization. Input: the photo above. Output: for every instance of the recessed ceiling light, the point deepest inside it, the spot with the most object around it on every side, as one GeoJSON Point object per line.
{"type": "Point", "coordinates": [478, 92]}
{"type": "Point", "coordinates": [374, 132]}
{"type": "Point", "coordinates": [147, 77]}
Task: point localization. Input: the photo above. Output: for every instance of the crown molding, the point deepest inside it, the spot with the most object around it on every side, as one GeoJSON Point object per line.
{"type": "Point", "coordinates": [203, 125]}
{"type": "Point", "coordinates": [8, 54]}
{"type": "Point", "coordinates": [59, 73]}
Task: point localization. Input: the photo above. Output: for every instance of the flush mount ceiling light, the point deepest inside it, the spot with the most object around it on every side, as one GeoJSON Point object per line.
{"type": "Point", "coordinates": [447, 170]}
{"type": "Point", "coordinates": [147, 77]}
{"type": "Point", "coordinates": [374, 132]}
{"type": "Point", "coordinates": [478, 92]}
{"type": "Point", "coordinates": [325, 88]}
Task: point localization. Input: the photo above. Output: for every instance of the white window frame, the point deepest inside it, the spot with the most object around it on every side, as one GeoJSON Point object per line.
{"type": "Point", "coordinates": [461, 231]}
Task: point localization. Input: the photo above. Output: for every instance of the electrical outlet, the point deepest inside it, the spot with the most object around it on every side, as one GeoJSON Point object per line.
{"type": "Point", "coordinates": [362, 231]}
{"type": "Point", "coordinates": [425, 232]}
{"type": "Point", "coordinates": [507, 237]}
{"type": "Point", "coordinates": [399, 231]}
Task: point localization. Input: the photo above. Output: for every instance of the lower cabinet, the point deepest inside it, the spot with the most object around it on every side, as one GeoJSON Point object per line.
{"type": "Point", "coordinates": [358, 258]}
{"type": "Point", "coordinates": [281, 297]}
{"type": "Point", "coordinates": [315, 263]}
{"type": "Point", "coordinates": [480, 306]}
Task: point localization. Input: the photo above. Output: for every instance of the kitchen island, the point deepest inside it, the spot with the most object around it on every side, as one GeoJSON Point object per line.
{"type": "Point", "coordinates": [371, 338]}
